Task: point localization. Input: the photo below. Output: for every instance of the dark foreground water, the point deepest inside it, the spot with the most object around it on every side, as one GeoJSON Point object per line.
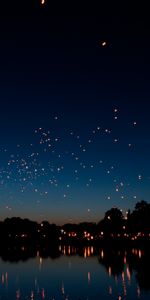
{"type": "Point", "coordinates": [74, 274]}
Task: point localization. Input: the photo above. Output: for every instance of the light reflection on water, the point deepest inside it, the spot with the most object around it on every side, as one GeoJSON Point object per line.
{"type": "Point", "coordinates": [80, 274]}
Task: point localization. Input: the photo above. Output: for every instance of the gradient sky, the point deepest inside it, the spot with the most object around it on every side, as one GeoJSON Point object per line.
{"type": "Point", "coordinates": [74, 114]}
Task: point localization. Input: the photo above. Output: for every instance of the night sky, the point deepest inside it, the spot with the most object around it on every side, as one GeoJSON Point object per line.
{"type": "Point", "coordinates": [74, 112]}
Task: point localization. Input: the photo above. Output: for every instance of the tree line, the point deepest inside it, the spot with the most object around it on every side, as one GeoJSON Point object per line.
{"type": "Point", "coordinates": [134, 224]}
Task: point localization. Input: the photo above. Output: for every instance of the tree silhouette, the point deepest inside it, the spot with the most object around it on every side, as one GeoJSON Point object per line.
{"type": "Point", "coordinates": [112, 222]}
{"type": "Point", "coordinates": [139, 219]}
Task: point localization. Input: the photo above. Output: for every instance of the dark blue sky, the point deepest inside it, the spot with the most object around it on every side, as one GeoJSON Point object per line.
{"type": "Point", "coordinates": [74, 115]}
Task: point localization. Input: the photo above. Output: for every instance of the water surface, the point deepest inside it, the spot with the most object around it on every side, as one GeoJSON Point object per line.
{"type": "Point", "coordinates": [76, 274]}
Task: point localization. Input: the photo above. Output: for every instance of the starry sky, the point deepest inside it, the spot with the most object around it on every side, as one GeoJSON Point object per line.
{"type": "Point", "coordinates": [74, 111]}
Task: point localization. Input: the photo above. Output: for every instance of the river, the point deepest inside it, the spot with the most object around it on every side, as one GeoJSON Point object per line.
{"type": "Point", "coordinates": [85, 273]}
